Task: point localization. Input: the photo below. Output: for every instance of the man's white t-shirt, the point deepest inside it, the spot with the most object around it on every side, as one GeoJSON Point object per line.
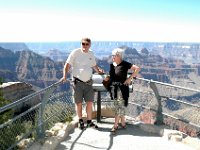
{"type": "Point", "coordinates": [81, 64]}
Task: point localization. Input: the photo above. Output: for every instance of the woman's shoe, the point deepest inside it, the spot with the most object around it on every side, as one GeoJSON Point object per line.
{"type": "Point", "coordinates": [123, 126]}
{"type": "Point", "coordinates": [114, 129]}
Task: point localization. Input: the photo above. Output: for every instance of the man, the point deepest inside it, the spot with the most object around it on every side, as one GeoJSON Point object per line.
{"type": "Point", "coordinates": [82, 61]}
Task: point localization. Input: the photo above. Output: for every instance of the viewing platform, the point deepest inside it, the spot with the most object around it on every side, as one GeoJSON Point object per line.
{"type": "Point", "coordinates": [137, 136]}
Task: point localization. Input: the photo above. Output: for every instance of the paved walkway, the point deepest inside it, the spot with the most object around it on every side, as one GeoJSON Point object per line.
{"type": "Point", "coordinates": [132, 138]}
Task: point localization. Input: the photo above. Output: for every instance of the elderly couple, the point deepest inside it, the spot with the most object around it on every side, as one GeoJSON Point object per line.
{"type": "Point", "coordinates": [82, 60]}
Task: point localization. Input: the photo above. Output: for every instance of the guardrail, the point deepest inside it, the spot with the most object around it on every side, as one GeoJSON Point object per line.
{"type": "Point", "coordinates": [53, 106]}
{"type": "Point", "coordinates": [166, 100]}
{"type": "Point", "coordinates": [160, 101]}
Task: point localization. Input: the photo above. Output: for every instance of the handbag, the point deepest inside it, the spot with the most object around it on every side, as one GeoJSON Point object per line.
{"type": "Point", "coordinates": [106, 82]}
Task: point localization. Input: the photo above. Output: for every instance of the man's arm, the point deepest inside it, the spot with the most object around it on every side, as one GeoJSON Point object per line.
{"type": "Point", "coordinates": [65, 71]}
{"type": "Point", "coordinates": [98, 70]}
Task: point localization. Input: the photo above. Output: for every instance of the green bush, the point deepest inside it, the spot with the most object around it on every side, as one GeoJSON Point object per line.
{"type": "Point", "coordinates": [4, 116]}
{"type": "Point", "coordinates": [6, 135]}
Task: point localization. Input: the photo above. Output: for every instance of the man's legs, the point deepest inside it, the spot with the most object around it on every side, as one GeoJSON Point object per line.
{"type": "Point", "coordinates": [78, 98]}
{"type": "Point", "coordinates": [89, 110]}
{"type": "Point", "coordinates": [79, 110]}
{"type": "Point", "coordinates": [79, 113]}
{"type": "Point", "coordinates": [89, 115]}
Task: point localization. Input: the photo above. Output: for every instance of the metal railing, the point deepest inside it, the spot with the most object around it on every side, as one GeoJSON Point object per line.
{"type": "Point", "coordinates": [48, 106]}
{"type": "Point", "coordinates": [160, 103]}
{"type": "Point", "coordinates": [150, 101]}
{"type": "Point", "coordinates": [171, 104]}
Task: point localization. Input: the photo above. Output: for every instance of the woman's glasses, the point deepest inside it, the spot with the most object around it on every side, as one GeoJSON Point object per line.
{"type": "Point", "coordinates": [85, 44]}
{"type": "Point", "coordinates": [115, 56]}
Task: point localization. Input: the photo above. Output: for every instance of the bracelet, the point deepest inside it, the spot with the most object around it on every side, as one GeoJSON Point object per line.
{"type": "Point", "coordinates": [133, 78]}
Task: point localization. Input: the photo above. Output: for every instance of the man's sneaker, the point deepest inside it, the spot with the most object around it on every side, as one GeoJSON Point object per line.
{"type": "Point", "coordinates": [81, 125]}
{"type": "Point", "coordinates": [92, 125]}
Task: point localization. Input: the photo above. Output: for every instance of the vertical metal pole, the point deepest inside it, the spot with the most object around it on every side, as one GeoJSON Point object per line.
{"type": "Point", "coordinates": [159, 115]}
{"type": "Point", "coordinates": [41, 123]}
{"type": "Point", "coordinates": [98, 106]}
{"type": "Point", "coordinates": [40, 129]}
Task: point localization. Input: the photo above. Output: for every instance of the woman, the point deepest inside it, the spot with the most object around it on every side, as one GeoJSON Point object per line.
{"type": "Point", "coordinates": [120, 85]}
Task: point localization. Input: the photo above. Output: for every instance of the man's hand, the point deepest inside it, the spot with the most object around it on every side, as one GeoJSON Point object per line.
{"type": "Point", "coordinates": [101, 71]}
{"type": "Point", "coordinates": [63, 79]}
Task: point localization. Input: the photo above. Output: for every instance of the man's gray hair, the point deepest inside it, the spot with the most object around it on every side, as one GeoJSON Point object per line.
{"type": "Point", "coordinates": [118, 51]}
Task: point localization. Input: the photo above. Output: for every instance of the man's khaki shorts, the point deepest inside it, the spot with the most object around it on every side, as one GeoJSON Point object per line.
{"type": "Point", "coordinates": [83, 91]}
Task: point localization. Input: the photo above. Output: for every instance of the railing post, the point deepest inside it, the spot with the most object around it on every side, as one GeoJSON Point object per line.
{"type": "Point", "coordinates": [41, 127]}
{"type": "Point", "coordinates": [159, 115]}
{"type": "Point", "coordinates": [98, 106]}
{"type": "Point", "coordinates": [1, 80]}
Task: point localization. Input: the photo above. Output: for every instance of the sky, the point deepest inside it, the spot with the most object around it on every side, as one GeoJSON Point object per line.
{"type": "Point", "coordinates": [101, 20]}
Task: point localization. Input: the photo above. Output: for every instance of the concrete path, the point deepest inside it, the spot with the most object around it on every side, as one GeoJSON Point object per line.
{"type": "Point", "coordinates": [132, 138]}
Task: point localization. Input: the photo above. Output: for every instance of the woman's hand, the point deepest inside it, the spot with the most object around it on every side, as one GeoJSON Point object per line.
{"type": "Point", "coordinates": [128, 81]}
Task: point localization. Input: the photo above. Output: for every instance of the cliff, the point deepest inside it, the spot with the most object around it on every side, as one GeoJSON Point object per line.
{"type": "Point", "coordinates": [41, 71]}
{"type": "Point", "coordinates": [29, 67]}
{"type": "Point", "coordinates": [13, 46]}
{"type": "Point", "coordinates": [14, 91]}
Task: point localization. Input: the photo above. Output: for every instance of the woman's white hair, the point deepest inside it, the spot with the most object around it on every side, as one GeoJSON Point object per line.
{"type": "Point", "coordinates": [118, 51]}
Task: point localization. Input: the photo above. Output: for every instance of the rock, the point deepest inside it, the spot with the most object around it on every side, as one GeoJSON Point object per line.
{"type": "Point", "coordinates": [193, 142]}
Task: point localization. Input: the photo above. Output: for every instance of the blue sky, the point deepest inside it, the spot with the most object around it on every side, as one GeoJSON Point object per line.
{"type": "Point", "coordinates": [101, 20]}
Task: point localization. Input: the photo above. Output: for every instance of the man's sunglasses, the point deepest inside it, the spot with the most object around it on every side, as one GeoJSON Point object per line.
{"type": "Point", "coordinates": [85, 44]}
